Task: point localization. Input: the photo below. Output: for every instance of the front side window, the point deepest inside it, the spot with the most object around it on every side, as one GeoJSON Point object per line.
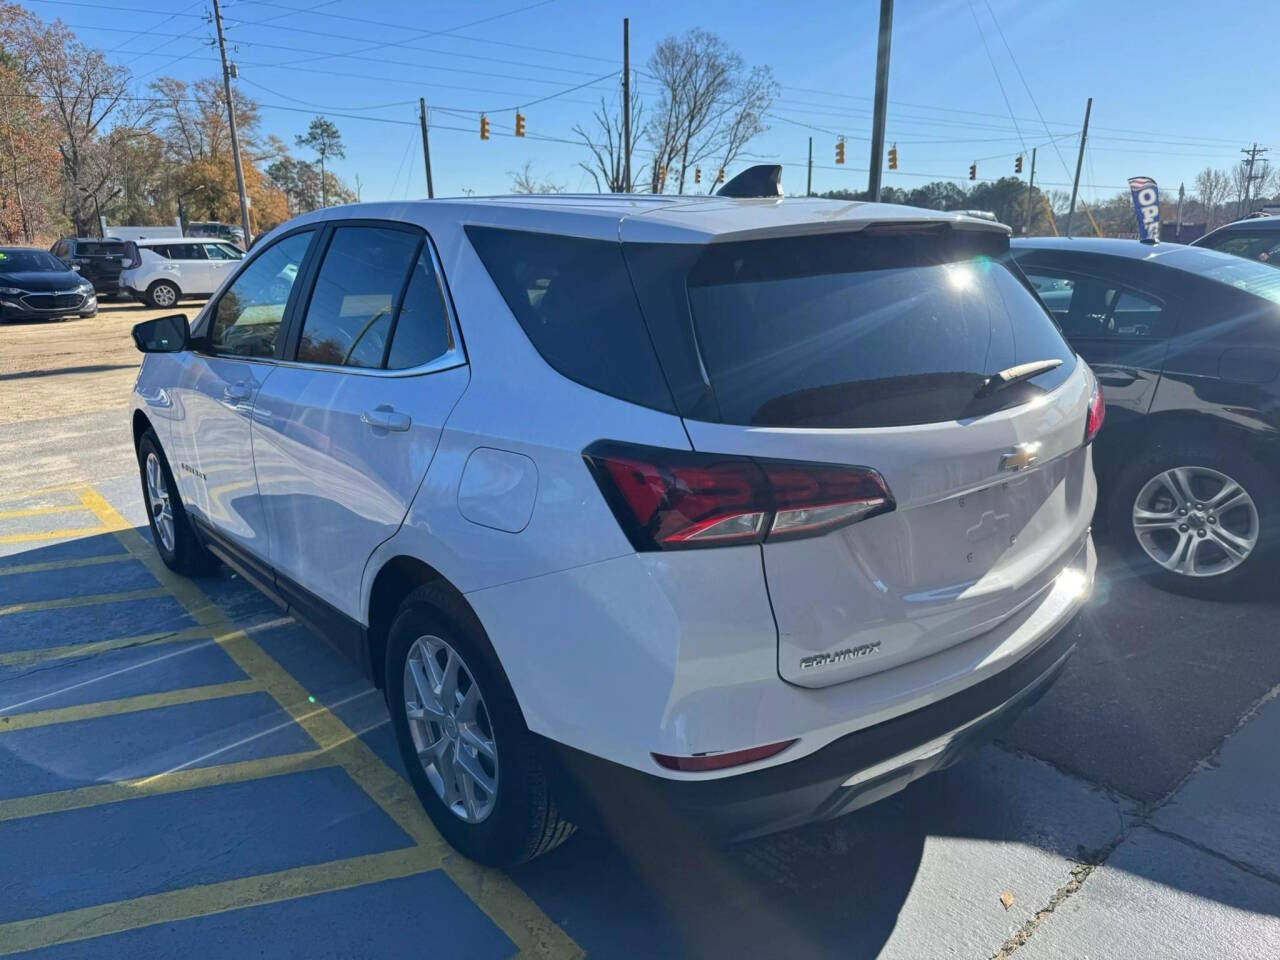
{"type": "Point", "coordinates": [357, 291]}
{"type": "Point", "coordinates": [246, 320]}
{"type": "Point", "coordinates": [221, 251]}
{"type": "Point", "coordinates": [1094, 308]}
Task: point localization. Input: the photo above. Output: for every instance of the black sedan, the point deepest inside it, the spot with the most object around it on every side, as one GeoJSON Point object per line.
{"type": "Point", "coordinates": [1186, 344]}
{"type": "Point", "coordinates": [35, 285]}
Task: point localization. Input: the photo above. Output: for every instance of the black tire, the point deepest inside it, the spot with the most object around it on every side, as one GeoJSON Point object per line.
{"type": "Point", "coordinates": [524, 822]}
{"type": "Point", "coordinates": [1256, 480]}
{"type": "Point", "coordinates": [187, 555]}
{"type": "Point", "coordinates": [162, 286]}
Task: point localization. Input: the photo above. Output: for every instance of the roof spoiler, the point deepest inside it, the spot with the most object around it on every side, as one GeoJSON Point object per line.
{"type": "Point", "coordinates": [762, 180]}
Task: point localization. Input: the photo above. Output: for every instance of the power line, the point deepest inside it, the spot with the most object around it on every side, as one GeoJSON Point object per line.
{"type": "Point", "coordinates": [1000, 83]}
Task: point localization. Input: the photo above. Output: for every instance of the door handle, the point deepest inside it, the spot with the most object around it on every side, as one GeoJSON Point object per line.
{"type": "Point", "coordinates": [384, 417]}
{"type": "Point", "coordinates": [236, 392]}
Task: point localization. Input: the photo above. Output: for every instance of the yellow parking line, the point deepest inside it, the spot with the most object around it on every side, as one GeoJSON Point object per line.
{"type": "Point", "coordinates": [9, 722]}
{"type": "Point", "coordinates": [64, 564]}
{"type": "Point", "coordinates": [50, 535]}
{"type": "Point", "coordinates": [176, 782]}
{"type": "Point", "coordinates": [40, 511]}
{"type": "Point", "coordinates": [19, 658]}
{"type": "Point", "coordinates": [76, 485]}
{"type": "Point", "coordinates": [200, 901]}
{"type": "Point", "coordinates": [493, 891]}
{"type": "Point", "coordinates": [91, 600]}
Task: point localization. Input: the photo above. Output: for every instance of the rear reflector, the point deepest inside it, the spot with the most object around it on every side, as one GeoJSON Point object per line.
{"type": "Point", "coordinates": [674, 499]}
{"type": "Point", "coordinates": [1097, 413]}
{"type": "Point", "coordinates": [719, 761]}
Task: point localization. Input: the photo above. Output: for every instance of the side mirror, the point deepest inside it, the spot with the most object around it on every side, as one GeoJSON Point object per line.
{"type": "Point", "coordinates": [171, 334]}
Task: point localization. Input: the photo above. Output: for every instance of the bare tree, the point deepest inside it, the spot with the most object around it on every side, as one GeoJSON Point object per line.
{"type": "Point", "coordinates": [604, 140]}
{"type": "Point", "coordinates": [525, 181]}
{"type": "Point", "coordinates": [710, 105]}
{"type": "Point", "coordinates": [1212, 188]}
{"type": "Point", "coordinates": [83, 92]}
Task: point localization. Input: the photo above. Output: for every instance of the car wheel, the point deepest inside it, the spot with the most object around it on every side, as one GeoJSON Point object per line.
{"type": "Point", "coordinates": [170, 526]}
{"type": "Point", "coordinates": [470, 757]}
{"type": "Point", "coordinates": [89, 316]}
{"type": "Point", "coordinates": [162, 294]}
{"type": "Point", "coordinates": [1199, 519]}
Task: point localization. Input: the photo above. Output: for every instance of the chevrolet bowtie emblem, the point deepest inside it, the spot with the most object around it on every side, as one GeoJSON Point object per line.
{"type": "Point", "coordinates": [1021, 456]}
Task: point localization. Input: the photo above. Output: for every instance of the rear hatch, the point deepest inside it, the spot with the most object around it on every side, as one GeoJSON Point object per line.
{"type": "Point", "coordinates": [100, 261]}
{"type": "Point", "coordinates": [874, 348]}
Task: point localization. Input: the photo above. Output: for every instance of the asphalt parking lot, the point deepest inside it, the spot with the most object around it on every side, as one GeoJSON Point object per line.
{"type": "Point", "coordinates": [183, 771]}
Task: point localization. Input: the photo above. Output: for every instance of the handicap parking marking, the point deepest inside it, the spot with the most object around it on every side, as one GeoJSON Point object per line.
{"type": "Point", "coordinates": [85, 600]}
{"type": "Point", "coordinates": [319, 927]}
{"type": "Point", "coordinates": [67, 564]}
{"type": "Point", "coordinates": [492, 891]}
{"type": "Point", "coordinates": [152, 742]}
{"type": "Point", "coordinates": [88, 648]}
{"type": "Point", "coordinates": [26, 630]}
{"type": "Point", "coordinates": [60, 582]}
{"type": "Point", "coordinates": [204, 836]}
{"type": "Point", "coordinates": [44, 511]}
{"type": "Point", "coordinates": [27, 720]}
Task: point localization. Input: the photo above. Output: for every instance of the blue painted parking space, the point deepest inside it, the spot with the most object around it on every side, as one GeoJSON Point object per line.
{"type": "Point", "coordinates": [37, 629]}
{"type": "Point", "coordinates": [43, 585]}
{"type": "Point", "coordinates": [197, 837]}
{"type": "Point", "coordinates": [395, 918]}
{"type": "Point", "coordinates": [146, 743]}
{"type": "Point", "coordinates": [115, 674]}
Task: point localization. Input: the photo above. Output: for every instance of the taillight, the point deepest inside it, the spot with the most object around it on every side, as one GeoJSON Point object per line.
{"type": "Point", "coordinates": [674, 499]}
{"type": "Point", "coordinates": [719, 761]}
{"type": "Point", "coordinates": [1097, 413]}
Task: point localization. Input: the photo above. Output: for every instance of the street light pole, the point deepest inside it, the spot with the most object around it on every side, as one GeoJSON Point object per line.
{"type": "Point", "coordinates": [626, 104]}
{"type": "Point", "coordinates": [231, 120]}
{"type": "Point", "coordinates": [882, 99]}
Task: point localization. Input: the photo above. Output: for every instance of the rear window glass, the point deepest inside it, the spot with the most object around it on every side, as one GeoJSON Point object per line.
{"type": "Point", "coordinates": [864, 330]}
{"type": "Point", "coordinates": [573, 299]}
{"type": "Point", "coordinates": [1251, 276]}
{"type": "Point", "coordinates": [97, 248]}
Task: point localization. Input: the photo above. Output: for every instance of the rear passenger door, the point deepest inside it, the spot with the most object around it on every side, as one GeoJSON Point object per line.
{"type": "Point", "coordinates": [1120, 328]}
{"type": "Point", "coordinates": [346, 427]}
{"type": "Point", "coordinates": [195, 274]}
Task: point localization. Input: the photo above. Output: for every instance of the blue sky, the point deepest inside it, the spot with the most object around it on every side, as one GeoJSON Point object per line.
{"type": "Point", "coordinates": [1176, 87]}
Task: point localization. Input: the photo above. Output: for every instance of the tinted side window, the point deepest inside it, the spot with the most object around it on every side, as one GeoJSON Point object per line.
{"type": "Point", "coordinates": [1089, 307]}
{"type": "Point", "coordinates": [573, 299]}
{"type": "Point", "coordinates": [422, 330]}
{"type": "Point", "coordinates": [246, 320]}
{"type": "Point", "coordinates": [160, 249]}
{"type": "Point", "coordinates": [186, 251]}
{"type": "Point", "coordinates": [355, 297]}
{"type": "Point", "coordinates": [1255, 246]}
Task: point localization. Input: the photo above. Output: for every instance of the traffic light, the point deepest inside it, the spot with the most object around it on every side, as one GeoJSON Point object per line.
{"type": "Point", "coordinates": [484, 127]}
{"type": "Point", "coordinates": [662, 177]}
{"type": "Point", "coordinates": [519, 124]}
{"type": "Point", "coordinates": [893, 157]}
{"type": "Point", "coordinates": [973, 171]}
{"type": "Point", "coordinates": [697, 174]}
{"type": "Point", "coordinates": [840, 150]}
{"type": "Point", "coordinates": [1017, 164]}
{"type": "Point", "coordinates": [720, 176]}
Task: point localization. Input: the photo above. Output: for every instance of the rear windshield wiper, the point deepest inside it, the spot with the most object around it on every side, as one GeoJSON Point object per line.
{"type": "Point", "coordinates": [1012, 375]}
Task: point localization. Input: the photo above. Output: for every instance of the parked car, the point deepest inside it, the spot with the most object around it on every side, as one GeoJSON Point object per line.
{"type": "Point", "coordinates": [221, 231]}
{"type": "Point", "coordinates": [98, 261]}
{"type": "Point", "coordinates": [1186, 342]}
{"type": "Point", "coordinates": [1257, 238]}
{"type": "Point", "coordinates": [743, 513]}
{"type": "Point", "coordinates": [35, 285]}
{"type": "Point", "coordinates": [161, 272]}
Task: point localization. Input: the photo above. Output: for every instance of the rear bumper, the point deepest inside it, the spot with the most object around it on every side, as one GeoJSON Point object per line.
{"type": "Point", "coordinates": [851, 772]}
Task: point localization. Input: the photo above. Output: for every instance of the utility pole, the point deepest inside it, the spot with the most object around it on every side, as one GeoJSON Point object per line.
{"type": "Point", "coordinates": [1031, 181]}
{"type": "Point", "coordinates": [626, 103]}
{"type": "Point", "coordinates": [882, 99]}
{"type": "Point", "coordinates": [426, 147]}
{"type": "Point", "coordinates": [1075, 184]}
{"type": "Point", "coordinates": [231, 120]}
{"type": "Point", "coordinates": [1255, 152]}
{"type": "Point", "coordinates": [808, 190]}
{"type": "Point", "coordinates": [1177, 229]}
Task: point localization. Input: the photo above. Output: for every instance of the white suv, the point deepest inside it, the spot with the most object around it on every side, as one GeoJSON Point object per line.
{"type": "Point", "coordinates": [747, 512]}
{"type": "Point", "coordinates": [162, 271]}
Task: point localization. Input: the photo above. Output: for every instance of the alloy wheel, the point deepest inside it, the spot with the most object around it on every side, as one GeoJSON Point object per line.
{"type": "Point", "coordinates": [159, 503]}
{"type": "Point", "coordinates": [164, 295]}
{"type": "Point", "coordinates": [1195, 521]}
{"type": "Point", "coordinates": [451, 729]}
